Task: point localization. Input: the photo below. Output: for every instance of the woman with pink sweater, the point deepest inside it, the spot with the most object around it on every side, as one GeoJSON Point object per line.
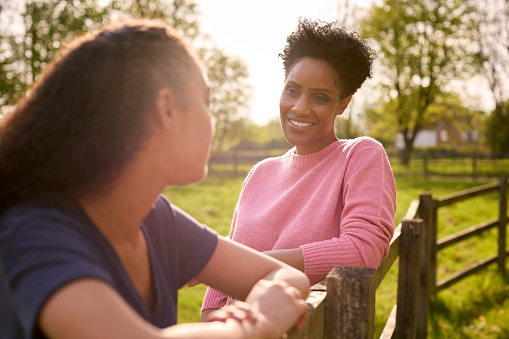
{"type": "Point", "coordinates": [327, 202]}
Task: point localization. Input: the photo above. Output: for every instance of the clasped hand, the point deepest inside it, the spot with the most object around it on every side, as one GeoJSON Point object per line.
{"type": "Point", "coordinates": [271, 307]}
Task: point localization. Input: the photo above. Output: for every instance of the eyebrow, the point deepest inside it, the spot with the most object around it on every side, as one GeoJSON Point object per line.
{"type": "Point", "coordinates": [311, 89]}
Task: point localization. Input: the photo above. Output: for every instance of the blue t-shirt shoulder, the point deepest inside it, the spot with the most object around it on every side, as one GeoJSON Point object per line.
{"type": "Point", "coordinates": [44, 247]}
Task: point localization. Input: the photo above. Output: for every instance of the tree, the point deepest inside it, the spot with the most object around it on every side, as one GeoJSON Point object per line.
{"type": "Point", "coordinates": [493, 39]}
{"type": "Point", "coordinates": [345, 127]}
{"type": "Point", "coordinates": [423, 45]}
{"type": "Point", "coordinates": [268, 136]}
{"type": "Point", "coordinates": [349, 14]}
{"type": "Point", "coordinates": [445, 108]}
{"type": "Point", "coordinates": [51, 23]}
{"type": "Point", "coordinates": [48, 25]}
{"type": "Point", "coordinates": [181, 14]}
{"type": "Point", "coordinates": [230, 94]}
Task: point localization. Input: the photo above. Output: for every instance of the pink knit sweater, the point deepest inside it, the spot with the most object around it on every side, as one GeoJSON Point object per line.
{"type": "Point", "coordinates": [337, 205]}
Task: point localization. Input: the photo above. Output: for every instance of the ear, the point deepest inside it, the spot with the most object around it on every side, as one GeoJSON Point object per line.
{"type": "Point", "coordinates": [165, 105]}
{"type": "Point", "coordinates": [343, 105]}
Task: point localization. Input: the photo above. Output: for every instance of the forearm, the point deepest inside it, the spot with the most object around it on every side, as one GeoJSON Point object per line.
{"type": "Point", "coordinates": [292, 257]}
{"type": "Point", "coordinates": [220, 330]}
{"type": "Point", "coordinates": [238, 279]}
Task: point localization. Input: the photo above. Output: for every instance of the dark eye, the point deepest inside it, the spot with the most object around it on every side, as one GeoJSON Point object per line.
{"type": "Point", "coordinates": [321, 98]}
{"type": "Point", "coordinates": [291, 91]}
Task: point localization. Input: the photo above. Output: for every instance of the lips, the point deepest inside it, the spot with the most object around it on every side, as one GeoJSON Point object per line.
{"type": "Point", "coordinates": [300, 123]}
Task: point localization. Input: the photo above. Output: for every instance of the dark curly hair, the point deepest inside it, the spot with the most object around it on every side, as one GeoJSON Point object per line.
{"type": "Point", "coordinates": [90, 112]}
{"type": "Point", "coordinates": [347, 54]}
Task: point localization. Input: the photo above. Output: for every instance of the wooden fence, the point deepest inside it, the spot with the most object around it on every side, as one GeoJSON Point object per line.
{"type": "Point", "coordinates": [238, 163]}
{"type": "Point", "coordinates": [343, 305]}
{"type": "Point", "coordinates": [466, 166]}
{"type": "Point", "coordinates": [231, 163]}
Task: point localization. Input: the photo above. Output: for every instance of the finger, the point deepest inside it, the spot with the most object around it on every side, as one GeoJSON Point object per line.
{"type": "Point", "coordinates": [237, 314]}
{"type": "Point", "coordinates": [218, 315]}
{"type": "Point", "coordinates": [249, 314]}
{"type": "Point", "coordinates": [302, 320]}
{"type": "Point", "coordinates": [294, 292]}
{"type": "Point", "coordinates": [193, 282]}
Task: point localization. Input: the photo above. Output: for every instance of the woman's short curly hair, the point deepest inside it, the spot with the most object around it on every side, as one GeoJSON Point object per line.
{"type": "Point", "coordinates": [346, 52]}
{"type": "Point", "coordinates": [90, 112]}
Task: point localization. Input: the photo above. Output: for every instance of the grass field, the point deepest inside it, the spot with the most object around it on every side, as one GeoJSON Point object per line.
{"type": "Point", "coordinates": [476, 307]}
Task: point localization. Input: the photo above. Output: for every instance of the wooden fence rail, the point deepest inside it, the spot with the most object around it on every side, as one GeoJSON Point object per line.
{"type": "Point", "coordinates": [238, 162]}
{"type": "Point", "coordinates": [470, 165]}
{"type": "Point", "coordinates": [343, 305]}
{"type": "Point", "coordinates": [440, 244]}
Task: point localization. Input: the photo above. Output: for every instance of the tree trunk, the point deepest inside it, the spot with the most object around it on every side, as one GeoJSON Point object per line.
{"type": "Point", "coordinates": [405, 153]}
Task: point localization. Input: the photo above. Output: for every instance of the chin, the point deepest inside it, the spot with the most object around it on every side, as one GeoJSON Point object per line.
{"type": "Point", "coordinates": [190, 178]}
{"type": "Point", "coordinates": [294, 141]}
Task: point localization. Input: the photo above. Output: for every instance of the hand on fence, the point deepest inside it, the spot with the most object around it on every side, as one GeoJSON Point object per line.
{"type": "Point", "coordinates": [279, 307]}
{"type": "Point", "coordinates": [240, 311]}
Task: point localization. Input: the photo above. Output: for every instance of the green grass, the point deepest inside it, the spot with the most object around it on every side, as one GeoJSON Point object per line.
{"type": "Point", "coordinates": [476, 307]}
{"type": "Point", "coordinates": [211, 201]}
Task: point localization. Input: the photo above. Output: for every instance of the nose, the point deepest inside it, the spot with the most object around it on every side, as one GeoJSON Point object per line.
{"type": "Point", "coordinates": [300, 106]}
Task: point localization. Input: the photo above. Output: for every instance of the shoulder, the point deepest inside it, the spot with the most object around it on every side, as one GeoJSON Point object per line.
{"type": "Point", "coordinates": [362, 143]}
{"type": "Point", "coordinates": [361, 147]}
{"type": "Point", "coordinates": [162, 211]}
{"type": "Point", "coordinates": [44, 247]}
{"type": "Point", "coordinates": [271, 163]}
{"type": "Point", "coordinates": [45, 235]}
{"type": "Point", "coordinates": [43, 238]}
{"type": "Point", "coordinates": [166, 218]}
{"type": "Point", "coordinates": [39, 221]}
{"type": "Point", "coordinates": [267, 166]}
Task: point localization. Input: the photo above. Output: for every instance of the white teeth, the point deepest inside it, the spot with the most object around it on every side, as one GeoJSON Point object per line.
{"type": "Point", "coordinates": [301, 124]}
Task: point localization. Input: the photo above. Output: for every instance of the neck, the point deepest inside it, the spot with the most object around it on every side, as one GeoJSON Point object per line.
{"type": "Point", "coordinates": [302, 150]}
{"type": "Point", "coordinates": [119, 211]}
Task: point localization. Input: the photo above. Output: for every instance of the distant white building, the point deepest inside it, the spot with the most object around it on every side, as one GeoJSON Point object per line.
{"type": "Point", "coordinates": [441, 134]}
{"type": "Point", "coordinates": [425, 138]}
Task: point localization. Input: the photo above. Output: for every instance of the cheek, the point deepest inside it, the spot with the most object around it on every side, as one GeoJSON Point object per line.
{"type": "Point", "coordinates": [329, 112]}
{"type": "Point", "coordinates": [285, 103]}
{"type": "Point", "coordinates": [209, 131]}
{"type": "Point", "coordinates": [212, 125]}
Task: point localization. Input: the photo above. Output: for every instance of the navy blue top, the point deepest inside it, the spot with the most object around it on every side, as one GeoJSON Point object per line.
{"type": "Point", "coordinates": [44, 246]}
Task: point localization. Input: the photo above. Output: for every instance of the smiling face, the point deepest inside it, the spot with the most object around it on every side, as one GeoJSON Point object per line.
{"type": "Point", "coordinates": [309, 104]}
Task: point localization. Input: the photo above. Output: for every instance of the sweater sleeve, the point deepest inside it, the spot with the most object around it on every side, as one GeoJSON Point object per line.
{"type": "Point", "coordinates": [367, 222]}
{"type": "Point", "coordinates": [213, 299]}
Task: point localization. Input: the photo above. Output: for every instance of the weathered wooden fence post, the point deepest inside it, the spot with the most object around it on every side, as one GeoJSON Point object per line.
{"type": "Point", "coordinates": [235, 163]}
{"type": "Point", "coordinates": [433, 231]}
{"type": "Point", "coordinates": [502, 224]}
{"type": "Point", "coordinates": [425, 205]}
{"type": "Point", "coordinates": [408, 279]}
{"type": "Point", "coordinates": [474, 166]}
{"type": "Point", "coordinates": [350, 303]}
{"type": "Point", "coordinates": [425, 165]}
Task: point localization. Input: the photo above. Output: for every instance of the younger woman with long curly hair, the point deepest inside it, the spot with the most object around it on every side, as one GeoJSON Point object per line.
{"type": "Point", "coordinates": [89, 247]}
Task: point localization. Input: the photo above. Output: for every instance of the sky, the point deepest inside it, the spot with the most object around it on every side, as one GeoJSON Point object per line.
{"type": "Point", "coordinates": [256, 32]}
